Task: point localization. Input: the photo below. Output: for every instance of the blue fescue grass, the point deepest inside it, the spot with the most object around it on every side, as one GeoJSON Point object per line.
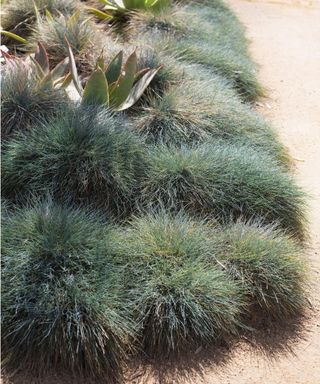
{"type": "Point", "coordinates": [61, 298]}
{"type": "Point", "coordinates": [81, 33]}
{"type": "Point", "coordinates": [178, 299]}
{"type": "Point", "coordinates": [215, 241]}
{"type": "Point", "coordinates": [201, 110]}
{"type": "Point", "coordinates": [268, 264]}
{"type": "Point", "coordinates": [23, 102]}
{"type": "Point", "coordinates": [224, 181]}
{"type": "Point", "coordinates": [87, 156]}
{"type": "Point", "coordinates": [19, 16]}
{"type": "Point", "coordinates": [206, 36]}
{"type": "Point", "coordinates": [193, 282]}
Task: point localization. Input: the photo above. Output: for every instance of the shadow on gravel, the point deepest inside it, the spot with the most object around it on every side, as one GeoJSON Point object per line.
{"type": "Point", "coordinates": [269, 338]}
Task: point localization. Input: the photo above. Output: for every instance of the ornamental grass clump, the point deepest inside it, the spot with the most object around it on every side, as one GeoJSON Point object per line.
{"type": "Point", "coordinates": [218, 24]}
{"type": "Point", "coordinates": [196, 111]}
{"type": "Point", "coordinates": [198, 22]}
{"type": "Point", "coordinates": [85, 155]}
{"type": "Point", "coordinates": [19, 16]}
{"type": "Point", "coordinates": [216, 43]}
{"type": "Point", "coordinates": [55, 33]}
{"type": "Point", "coordinates": [268, 265]}
{"type": "Point", "coordinates": [222, 60]}
{"type": "Point", "coordinates": [24, 98]}
{"type": "Point", "coordinates": [61, 299]}
{"type": "Point", "coordinates": [179, 300]}
{"type": "Point", "coordinates": [224, 181]}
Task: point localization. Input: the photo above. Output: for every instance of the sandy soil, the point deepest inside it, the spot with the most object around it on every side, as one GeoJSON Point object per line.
{"type": "Point", "coordinates": [285, 41]}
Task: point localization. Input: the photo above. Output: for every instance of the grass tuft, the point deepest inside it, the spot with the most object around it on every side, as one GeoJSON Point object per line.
{"type": "Point", "coordinates": [202, 35]}
{"type": "Point", "coordinates": [179, 300]}
{"type": "Point", "coordinates": [197, 111]}
{"type": "Point", "coordinates": [61, 296]}
{"type": "Point", "coordinates": [224, 181]}
{"type": "Point", "coordinates": [267, 264]}
{"type": "Point", "coordinates": [86, 156]}
{"type": "Point", "coordinates": [81, 33]}
{"type": "Point", "coordinates": [235, 67]}
{"type": "Point", "coordinates": [19, 16]}
{"type": "Point", "coordinates": [81, 294]}
{"type": "Point", "coordinates": [23, 103]}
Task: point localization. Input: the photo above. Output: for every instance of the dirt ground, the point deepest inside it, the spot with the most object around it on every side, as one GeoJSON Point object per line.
{"type": "Point", "coordinates": [285, 41]}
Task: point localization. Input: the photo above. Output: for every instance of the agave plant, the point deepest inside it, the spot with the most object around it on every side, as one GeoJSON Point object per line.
{"type": "Point", "coordinates": [57, 77]}
{"type": "Point", "coordinates": [116, 8]}
{"type": "Point", "coordinates": [117, 85]}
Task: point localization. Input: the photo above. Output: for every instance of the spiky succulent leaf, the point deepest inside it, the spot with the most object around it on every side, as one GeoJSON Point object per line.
{"type": "Point", "coordinates": [46, 82]}
{"type": "Point", "coordinates": [113, 70]}
{"type": "Point", "coordinates": [122, 89]}
{"type": "Point", "coordinates": [74, 71]}
{"type": "Point", "coordinates": [41, 57]}
{"type": "Point", "coordinates": [60, 69]}
{"type": "Point", "coordinates": [138, 89]}
{"type": "Point", "coordinates": [14, 36]}
{"type": "Point", "coordinates": [96, 91]}
{"type": "Point", "coordinates": [100, 62]}
{"type": "Point", "coordinates": [64, 82]}
{"type": "Point", "coordinates": [100, 14]}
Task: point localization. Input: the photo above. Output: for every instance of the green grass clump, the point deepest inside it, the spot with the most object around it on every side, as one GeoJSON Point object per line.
{"type": "Point", "coordinates": [196, 111]}
{"type": "Point", "coordinates": [81, 33]}
{"type": "Point", "coordinates": [226, 181]}
{"type": "Point", "coordinates": [87, 156]}
{"type": "Point", "coordinates": [226, 62]}
{"type": "Point", "coordinates": [198, 22]}
{"type": "Point", "coordinates": [179, 300]}
{"type": "Point", "coordinates": [61, 299]}
{"type": "Point", "coordinates": [210, 37]}
{"type": "Point", "coordinates": [267, 264]}
{"type": "Point", "coordinates": [19, 16]}
{"type": "Point", "coordinates": [23, 102]}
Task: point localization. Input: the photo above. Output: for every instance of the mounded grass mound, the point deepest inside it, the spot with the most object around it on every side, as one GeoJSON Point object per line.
{"type": "Point", "coordinates": [201, 35]}
{"type": "Point", "coordinates": [238, 69]}
{"type": "Point", "coordinates": [197, 111]}
{"type": "Point", "coordinates": [87, 156]}
{"type": "Point", "coordinates": [61, 299]}
{"type": "Point", "coordinates": [198, 22]}
{"type": "Point", "coordinates": [79, 30]}
{"type": "Point", "coordinates": [224, 181]}
{"type": "Point", "coordinates": [179, 300]}
{"type": "Point", "coordinates": [23, 102]}
{"type": "Point", "coordinates": [268, 265]}
{"type": "Point", "coordinates": [19, 16]}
